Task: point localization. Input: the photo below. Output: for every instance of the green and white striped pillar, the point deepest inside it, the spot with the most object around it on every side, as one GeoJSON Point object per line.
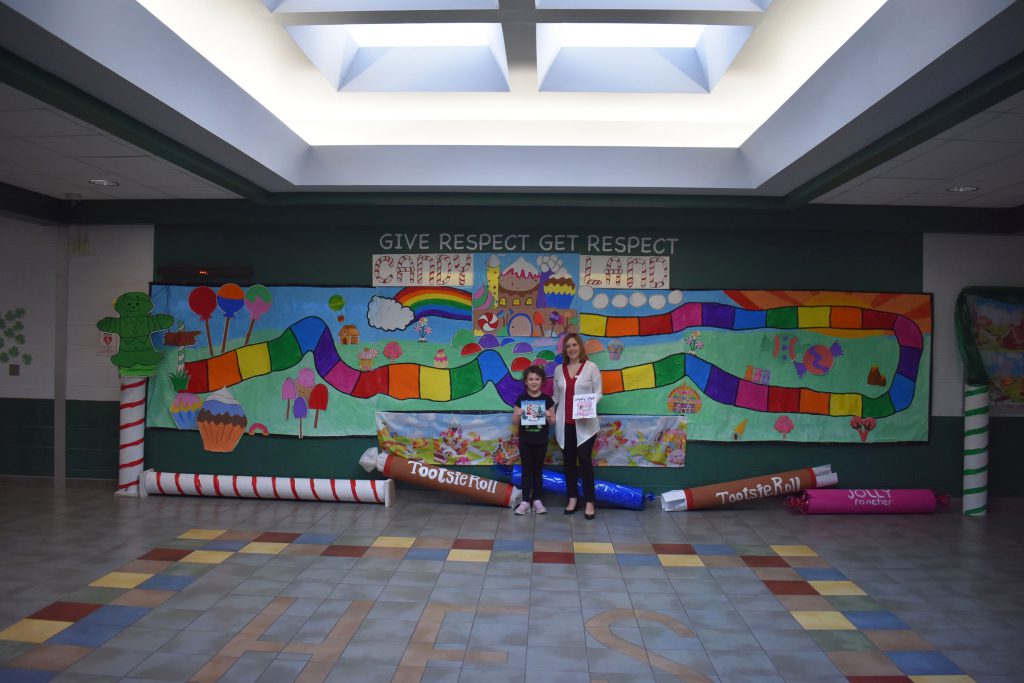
{"type": "Point", "coordinates": [975, 449]}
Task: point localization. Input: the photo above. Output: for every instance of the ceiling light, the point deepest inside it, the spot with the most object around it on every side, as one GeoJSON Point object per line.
{"type": "Point", "coordinates": [962, 188]}
{"type": "Point", "coordinates": [102, 182]}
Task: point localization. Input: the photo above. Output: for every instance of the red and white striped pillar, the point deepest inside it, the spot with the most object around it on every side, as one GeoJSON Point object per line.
{"type": "Point", "coordinates": [132, 418]}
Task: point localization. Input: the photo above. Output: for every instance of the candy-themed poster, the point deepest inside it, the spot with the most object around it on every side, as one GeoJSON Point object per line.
{"type": "Point", "coordinates": [999, 335]}
{"type": "Point", "coordinates": [739, 365]}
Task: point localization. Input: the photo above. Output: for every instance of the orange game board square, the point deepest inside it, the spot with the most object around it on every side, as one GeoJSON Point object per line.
{"type": "Point", "coordinates": [813, 402]}
{"type": "Point", "coordinates": [50, 657]}
{"type": "Point", "coordinates": [622, 327]}
{"type": "Point", "coordinates": [223, 370]}
{"type": "Point", "coordinates": [845, 317]}
{"type": "Point", "coordinates": [611, 381]}
{"type": "Point", "coordinates": [65, 611]}
{"type": "Point", "coordinates": [405, 381]}
{"type": "Point", "coordinates": [790, 588]}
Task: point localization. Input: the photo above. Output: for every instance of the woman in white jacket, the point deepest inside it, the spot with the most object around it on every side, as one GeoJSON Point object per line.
{"type": "Point", "coordinates": [576, 375]}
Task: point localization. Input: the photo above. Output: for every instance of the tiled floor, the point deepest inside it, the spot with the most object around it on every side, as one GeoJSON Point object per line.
{"type": "Point", "coordinates": [98, 588]}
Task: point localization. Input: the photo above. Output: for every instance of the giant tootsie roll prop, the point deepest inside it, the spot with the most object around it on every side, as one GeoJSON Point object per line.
{"type": "Point", "coordinates": [866, 501]}
{"type": "Point", "coordinates": [764, 486]}
{"type": "Point", "coordinates": [606, 492]}
{"type": "Point", "coordinates": [280, 488]}
{"type": "Point", "coordinates": [480, 489]}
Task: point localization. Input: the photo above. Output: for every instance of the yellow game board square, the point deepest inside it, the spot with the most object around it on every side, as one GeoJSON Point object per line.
{"type": "Point", "coordinates": [33, 630]}
{"type": "Point", "coordinates": [465, 555]}
{"type": "Point", "coordinates": [836, 588]}
{"type": "Point", "coordinates": [583, 547]}
{"type": "Point", "coordinates": [680, 561]}
{"type": "Point", "coordinates": [823, 621]}
{"type": "Point", "coordinates": [207, 556]}
{"type": "Point", "coordinates": [120, 580]}
{"type": "Point", "coordinates": [793, 551]}
{"type": "Point", "coordinates": [263, 548]}
{"type": "Point", "coordinates": [202, 534]}
{"type": "Point", "coordinates": [959, 678]}
{"type": "Point", "coordinates": [394, 542]}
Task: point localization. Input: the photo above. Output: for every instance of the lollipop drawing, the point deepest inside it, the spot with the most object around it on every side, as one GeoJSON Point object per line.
{"type": "Point", "coordinates": [203, 303]}
{"type": "Point", "coordinates": [231, 299]}
{"type": "Point", "coordinates": [288, 393]}
{"type": "Point", "coordinates": [257, 300]}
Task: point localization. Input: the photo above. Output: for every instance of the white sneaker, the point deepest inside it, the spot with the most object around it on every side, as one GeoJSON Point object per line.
{"type": "Point", "coordinates": [522, 508]}
{"type": "Point", "coordinates": [539, 508]}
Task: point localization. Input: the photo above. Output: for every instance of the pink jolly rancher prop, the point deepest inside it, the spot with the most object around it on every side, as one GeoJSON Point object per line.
{"type": "Point", "coordinates": [866, 501]}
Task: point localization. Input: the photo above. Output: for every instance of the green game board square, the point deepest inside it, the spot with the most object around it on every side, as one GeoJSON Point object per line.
{"type": "Point", "coordinates": [669, 370]}
{"type": "Point", "coordinates": [855, 603]}
{"type": "Point", "coordinates": [596, 558]}
{"type": "Point", "coordinates": [782, 318]}
{"type": "Point", "coordinates": [95, 595]}
{"type": "Point", "coordinates": [841, 641]}
{"type": "Point", "coordinates": [511, 556]}
{"type": "Point", "coordinates": [10, 649]}
{"type": "Point", "coordinates": [284, 351]}
{"type": "Point", "coordinates": [466, 380]}
{"type": "Point", "coordinates": [350, 539]}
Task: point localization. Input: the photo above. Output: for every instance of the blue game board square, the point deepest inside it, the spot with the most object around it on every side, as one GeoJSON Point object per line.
{"type": "Point", "coordinates": [924, 664]}
{"type": "Point", "coordinates": [876, 621]}
{"type": "Point", "coordinates": [26, 676]}
{"type": "Point", "coordinates": [635, 560]}
{"type": "Point", "coordinates": [316, 539]}
{"type": "Point", "coordinates": [513, 545]}
{"type": "Point", "coordinates": [86, 635]}
{"type": "Point", "coordinates": [115, 615]}
{"type": "Point", "coordinates": [712, 548]}
{"type": "Point", "coordinates": [812, 574]}
{"type": "Point", "coordinates": [426, 554]}
{"type": "Point", "coordinates": [230, 546]}
{"type": "Point", "coordinates": [167, 582]}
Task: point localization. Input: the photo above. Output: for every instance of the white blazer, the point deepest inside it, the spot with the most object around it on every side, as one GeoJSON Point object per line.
{"type": "Point", "coordinates": [588, 381]}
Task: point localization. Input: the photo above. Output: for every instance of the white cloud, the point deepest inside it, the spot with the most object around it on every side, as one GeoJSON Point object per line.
{"type": "Point", "coordinates": [388, 314]}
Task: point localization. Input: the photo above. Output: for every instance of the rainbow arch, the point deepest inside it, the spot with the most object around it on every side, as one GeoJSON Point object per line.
{"type": "Point", "coordinates": [410, 380]}
{"type": "Point", "coordinates": [442, 302]}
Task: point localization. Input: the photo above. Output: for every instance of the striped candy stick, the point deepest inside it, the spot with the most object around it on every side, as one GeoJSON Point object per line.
{"type": "Point", "coordinates": [132, 418]}
{"type": "Point", "coordinates": [975, 449]}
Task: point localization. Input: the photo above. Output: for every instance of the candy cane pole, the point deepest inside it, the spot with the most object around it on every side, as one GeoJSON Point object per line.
{"type": "Point", "coordinates": [181, 349]}
{"type": "Point", "coordinates": [975, 449]}
{"type": "Point", "coordinates": [272, 488]}
{"type": "Point", "coordinates": [132, 418]}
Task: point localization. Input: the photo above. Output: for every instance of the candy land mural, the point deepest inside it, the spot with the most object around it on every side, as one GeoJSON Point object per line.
{"type": "Point", "coordinates": [729, 365]}
{"type": "Point", "coordinates": [999, 335]}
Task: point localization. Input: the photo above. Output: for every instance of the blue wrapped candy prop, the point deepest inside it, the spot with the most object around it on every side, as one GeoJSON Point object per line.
{"type": "Point", "coordinates": [628, 497]}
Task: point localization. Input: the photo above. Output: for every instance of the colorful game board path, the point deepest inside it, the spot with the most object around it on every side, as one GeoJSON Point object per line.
{"type": "Point", "coordinates": [413, 381]}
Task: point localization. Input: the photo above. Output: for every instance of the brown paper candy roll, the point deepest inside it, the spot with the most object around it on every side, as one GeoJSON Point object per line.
{"type": "Point", "coordinates": [780, 483]}
{"type": "Point", "coordinates": [480, 489]}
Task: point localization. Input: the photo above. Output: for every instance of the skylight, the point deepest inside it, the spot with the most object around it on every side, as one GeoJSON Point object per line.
{"type": "Point", "coordinates": [375, 5]}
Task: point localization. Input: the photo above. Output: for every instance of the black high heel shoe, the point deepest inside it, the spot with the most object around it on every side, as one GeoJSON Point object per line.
{"type": "Point", "coordinates": [590, 515]}
{"type": "Point", "coordinates": [567, 511]}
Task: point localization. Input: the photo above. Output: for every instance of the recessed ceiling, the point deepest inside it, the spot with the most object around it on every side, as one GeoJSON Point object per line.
{"type": "Point", "coordinates": [752, 97]}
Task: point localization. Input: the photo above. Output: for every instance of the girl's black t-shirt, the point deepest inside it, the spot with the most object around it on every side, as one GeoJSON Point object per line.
{"type": "Point", "coordinates": [533, 409]}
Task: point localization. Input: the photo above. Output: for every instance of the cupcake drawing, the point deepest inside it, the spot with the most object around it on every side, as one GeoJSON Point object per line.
{"type": "Point", "coordinates": [221, 422]}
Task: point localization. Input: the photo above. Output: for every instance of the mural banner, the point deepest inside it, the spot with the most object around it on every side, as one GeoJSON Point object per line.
{"type": "Point", "coordinates": [487, 439]}
{"type": "Point", "coordinates": [739, 365]}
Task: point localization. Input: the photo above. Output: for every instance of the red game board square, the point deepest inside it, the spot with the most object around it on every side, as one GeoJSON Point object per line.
{"type": "Point", "coordinates": [276, 537]}
{"type": "Point", "coordinates": [554, 558]}
{"type": "Point", "coordinates": [65, 611]}
{"type": "Point", "coordinates": [166, 554]}
{"type": "Point", "coordinates": [473, 544]}
{"type": "Point", "coordinates": [790, 588]}
{"type": "Point", "coordinates": [764, 561]}
{"type": "Point", "coordinates": [673, 549]}
{"type": "Point", "coordinates": [345, 551]}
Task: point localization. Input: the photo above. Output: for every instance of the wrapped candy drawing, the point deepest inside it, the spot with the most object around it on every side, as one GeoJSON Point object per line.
{"type": "Point", "coordinates": [221, 422]}
{"type": "Point", "coordinates": [628, 497]}
{"type": "Point", "coordinates": [866, 501]}
{"type": "Point", "coordinates": [483, 490]}
{"type": "Point", "coordinates": [781, 483]}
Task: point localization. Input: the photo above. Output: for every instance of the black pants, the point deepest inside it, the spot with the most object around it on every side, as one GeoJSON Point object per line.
{"type": "Point", "coordinates": [581, 452]}
{"type": "Point", "coordinates": [531, 457]}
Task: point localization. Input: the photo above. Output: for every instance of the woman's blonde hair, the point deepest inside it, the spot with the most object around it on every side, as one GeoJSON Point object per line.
{"type": "Point", "coordinates": [579, 340]}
